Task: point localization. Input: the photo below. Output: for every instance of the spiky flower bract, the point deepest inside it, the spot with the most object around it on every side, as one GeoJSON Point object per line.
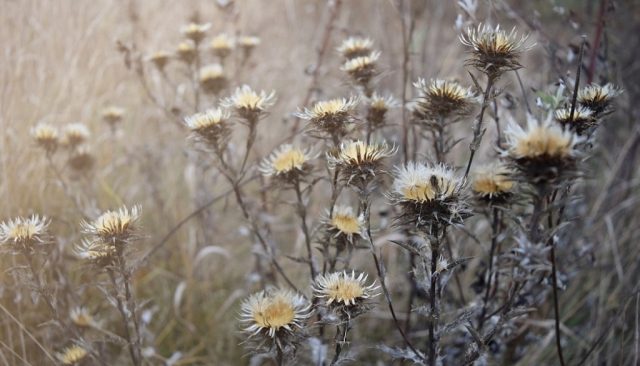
{"type": "Point", "coordinates": [75, 134]}
{"type": "Point", "coordinates": [353, 47]}
{"type": "Point", "coordinates": [362, 68]}
{"type": "Point", "coordinates": [222, 45]}
{"type": "Point", "coordinates": [360, 162]}
{"type": "Point", "coordinates": [598, 98]}
{"type": "Point", "coordinates": [440, 99]}
{"type": "Point", "coordinates": [112, 115]}
{"type": "Point", "coordinates": [210, 127]}
{"type": "Point", "coordinates": [96, 252]}
{"type": "Point", "coordinates": [72, 355]}
{"type": "Point", "coordinates": [581, 121]}
{"type": "Point", "coordinates": [213, 79]}
{"type": "Point", "coordinates": [543, 151]}
{"type": "Point", "coordinates": [494, 50]}
{"type": "Point", "coordinates": [275, 318]}
{"type": "Point", "coordinates": [160, 59]}
{"type": "Point", "coordinates": [249, 104]}
{"type": "Point", "coordinates": [345, 293]}
{"type": "Point", "coordinates": [287, 164]}
{"type": "Point", "coordinates": [344, 224]}
{"type": "Point", "coordinates": [114, 227]}
{"type": "Point", "coordinates": [430, 196]}
{"type": "Point", "coordinates": [332, 117]}
{"type": "Point", "coordinates": [378, 106]}
{"type": "Point", "coordinates": [493, 183]}
{"type": "Point", "coordinates": [187, 51]}
{"type": "Point", "coordinates": [46, 136]}
{"type": "Point", "coordinates": [195, 32]}
{"type": "Point", "coordinates": [24, 233]}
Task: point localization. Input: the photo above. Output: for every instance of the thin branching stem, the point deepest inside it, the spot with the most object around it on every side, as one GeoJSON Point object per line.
{"type": "Point", "coordinates": [478, 130]}
{"type": "Point", "coordinates": [302, 212]}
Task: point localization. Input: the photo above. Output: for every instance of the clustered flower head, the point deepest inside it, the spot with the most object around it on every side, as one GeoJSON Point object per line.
{"type": "Point", "coordinates": [331, 117]}
{"type": "Point", "coordinates": [195, 32]}
{"type": "Point", "coordinates": [287, 163]}
{"type": "Point", "coordinates": [494, 50]}
{"type": "Point", "coordinates": [81, 160]}
{"type": "Point", "coordinates": [249, 104]}
{"type": "Point", "coordinates": [543, 151]}
{"type": "Point", "coordinates": [72, 355]}
{"type": "Point", "coordinates": [108, 235]}
{"type": "Point", "coordinates": [581, 121]}
{"type": "Point", "coordinates": [46, 136]}
{"type": "Point", "coordinates": [24, 233]}
{"type": "Point", "coordinates": [378, 106]}
{"type": "Point", "coordinates": [248, 43]}
{"type": "Point", "coordinates": [353, 47]}
{"type": "Point", "coordinates": [598, 98]}
{"type": "Point", "coordinates": [81, 317]}
{"type": "Point", "coordinates": [345, 293]}
{"type": "Point", "coordinates": [112, 115]}
{"type": "Point", "coordinates": [442, 99]}
{"type": "Point", "coordinates": [429, 196]}
{"type": "Point", "coordinates": [187, 51]}
{"type": "Point", "coordinates": [360, 162]}
{"type": "Point", "coordinates": [222, 45]}
{"type": "Point", "coordinates": [210, 127]}
{"type": "Point", "coordinates": [75, 134]}
{"type": "Point", "coordinates": [160, 59]}
{"type": "Point", "coordinates": [213, 79]}
{"type": "Point", "coordinates": [275, 315]}
{"type": "Point", "coordinates": [345, 225]}
{"type": "Point", "coordinates": [493, 183]}
{"type": "Point", "coordinates": [362, 68]}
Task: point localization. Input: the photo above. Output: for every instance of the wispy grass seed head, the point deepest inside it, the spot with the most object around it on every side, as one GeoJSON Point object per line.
{"type": "Point", "coordinates": [493, 50]}
{"type": "Point", "coordinates": [46, 136]}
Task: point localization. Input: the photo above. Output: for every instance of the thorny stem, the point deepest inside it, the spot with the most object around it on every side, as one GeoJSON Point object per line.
{"type": "Point", "coordinates": [478, 132]}
{"type": "Point", "coordinates": [365, 208]}
{"type": "Point", "coordinates": [302, 212]}
{"type": "Point", "coordinates": [131, 305]}
{"type": "Point", "coordinates": [125, 318]}
{"type": "Point", "coordinates": [41, 289]}
{"type": "Point", "coordinates": [494, 243]}
{"type": "Point", "coordinates": [434, 312]}
{"type": "Point", "coordinates": [555, 304]}
{"type": "Point", "coordinates": [339, 342]}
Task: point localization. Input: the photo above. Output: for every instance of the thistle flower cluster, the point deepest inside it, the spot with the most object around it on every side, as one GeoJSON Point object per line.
{"type": "Point", "coordinates": [222, 45]}
{"type": "Point", "coordinates": [493, 183]}
{"type": "Point", "coordinates": [344, 225]}
{"type": "Point", "coordinates": [109, 235]}
{"type": "Point", "coordinates": [377, 109]}
{"type": "Point", "coordinates": [249, 104]}
{"type": "Point", "coordinates": [360, 58]}
{"type": "Point", "coordinates": [287, 164]}
{"type": "Point", "coordinates": [211, 128]}
{"type": "Point", "coordinates": [72, 355]}
{"type": "Point", "coordinates": [213, 79]}
{"type": "Point", "coordinates": [493, 50]}
{"type": "Point", "coordinates": [360, 163]}
{"type": "Point", "coordinates": [24, 233]}
{"type": "Point", "coordinates": [46, 137]}
{"type": "Point", "coordinates": [441, 99]}
{"type": "Point", "coordinates": [112, 115]}
{"type": "Point", "coordinates": [346, 294]}
{"type": "Point", "coordinates": [331, 118]}
{"type": "Point", "coordinates": [74, 138]}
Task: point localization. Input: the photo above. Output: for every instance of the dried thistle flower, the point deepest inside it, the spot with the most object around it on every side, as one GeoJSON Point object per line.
{"type": "Point", "coordinates": [213, 79]}
{"type": "Point", "coordinates": [331, 117]}
{"type": "Point", "coordinates": [114, 227]}
{"type": "Point", "coordinates": [542, 151]}
{"type": "Point", "coordinates": [81, 317]}
{"type": "Point", "coordinates": [493, 50]}
{"type": "Point", "coordinates": [598, 98]}
{"type": "Point", "coordinates": [96, 252]}
{"type": "Point", "coordinates": [363, 68]}
{"type": "Point", "coordinates": [160, 59]}
{"type": "Point", "coordinates": [429, 196]}
{"type": "Point", "coordinates": [581, 121]}
{"type": "Point", "coordinates": [248, 103]}
{"type": "Point", "coordinates": [440, 99]}
{"type": "Point", "coordinates": [187, 51]}
{"type": "Point", "coordinates": [23, 233]}
{"type": "Point", "coordinates": [345, 293]}
{"type": "Point", "coordinates": [112, 115]}
{"type": "Point", "coordinates": [345, 224]}
{"type": "Point", "coordinates": [248, 43]}
{"type": "Point", "coordinates": [287, 163]}
{"type": "Point", "coordinates": [492, 183]}
{"type": "Point", "coordinates": [72, 355]}
{"type": "Point", "coordinates": [195, 32]}
{"type": "Point", "coordinates": [222, 45]}
{"type": "Point", "coordinates": [46, 136]}
{"type": "Point", "coordinates": [353, 47]}
{"type": "Point", "coordinates": [360, 162]}
{"type": "Point", "coordinates": [75, 134]}
{"type": "Point", "coordinates": [81, 160]}
{"type": "Point", "coordinates": [378, 106]}
{"type": "Point", "coordinates": [276, 314]}
{"type": "Point", "coordinates": [211, 127]}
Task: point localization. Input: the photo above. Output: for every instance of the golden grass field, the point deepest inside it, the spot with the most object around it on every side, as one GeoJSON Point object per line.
{"type": "Point", "coordinates": [65, 61]}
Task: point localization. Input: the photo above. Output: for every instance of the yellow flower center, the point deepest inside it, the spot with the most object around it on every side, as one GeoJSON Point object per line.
{"type": "Point", "coordinates": [492, 184]}
{"type": "Point", "coordinates": [288, 160]}
{"type": "Point", "coordinates": [346, 223]}
{"type": "Point", "coordinates": [23, 231]}
{"type": "Point", "coordinates": [277, 313]}
{"type": "Point", "coordinates": [541, 141]}
{"type": "Point", "coordinates": [344, 290]}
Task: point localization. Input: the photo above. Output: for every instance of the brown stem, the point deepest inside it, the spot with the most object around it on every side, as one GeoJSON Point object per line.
{"type": "Point", "coordinates": [555, 305]}
{"type": "Point", "coordinates": [477, 127]}
{"type": "Point", "coordinates": [302, 212]}
{"type": "Point", "coordinates": [433, 304]}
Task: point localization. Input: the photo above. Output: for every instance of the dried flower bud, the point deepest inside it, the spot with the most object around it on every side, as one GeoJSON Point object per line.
{"type": "Point", "coordinates": [46, 136]}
